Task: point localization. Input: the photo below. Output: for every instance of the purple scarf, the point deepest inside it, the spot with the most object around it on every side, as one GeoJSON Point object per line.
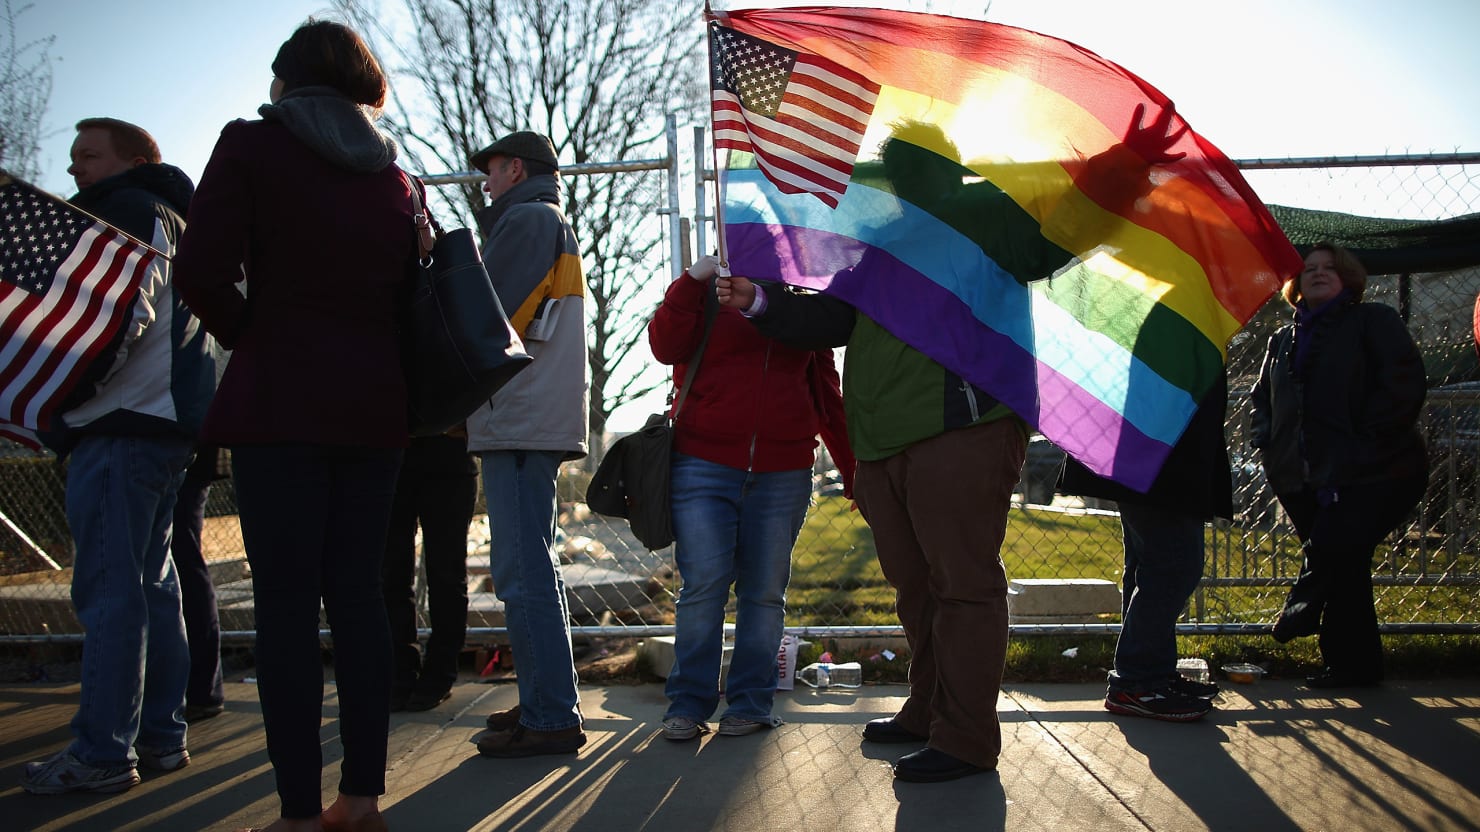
{"type": "Point", "coordinates": [1305, 325]}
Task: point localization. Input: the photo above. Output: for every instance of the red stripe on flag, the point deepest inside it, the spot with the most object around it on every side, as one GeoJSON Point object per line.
{"type": "Point", "coordinates": [12, 367]}
{"type": "Point", "coordinates": [810, 74]}
{"type": "Point", "coordinates": [76, 292]}
{"type": "Point", "coordinates": [95, 302]}
{"type": "Point", "coordinates": [750, 135]}
{"type": "Point", "coordinates": [801, 113]}
{"type": "Point", "coordinates": [102, 310]}
{"type": "Point", "coordinates": [819, 75]}
{"type": "Point", "coordinates": [842, 73]}
{"type": "Point", "coordinates": [773, 142]}
{"type": "Point", "coordinates": [786, 173]}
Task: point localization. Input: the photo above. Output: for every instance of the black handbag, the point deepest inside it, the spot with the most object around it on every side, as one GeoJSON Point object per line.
{"type": "Point", "coordinates": [633, 479]}
{"type": "Point", "coordinates": [457, 347]}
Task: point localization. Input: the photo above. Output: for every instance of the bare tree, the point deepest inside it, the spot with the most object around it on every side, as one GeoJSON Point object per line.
{"type": "Point", "coordinates": [25, 92]}
{"type": "Point", "coordinates": [599, 78]}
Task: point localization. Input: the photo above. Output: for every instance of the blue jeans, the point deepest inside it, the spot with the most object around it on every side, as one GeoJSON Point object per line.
{"type": "Point", "coordinates": [520, 490]}
{"type": "Point", "coordinates": [1163, 564]}
{"type": "Point", "coordinates": [731, 527]}
{"type": "Point", "coordinates": [135, 660]}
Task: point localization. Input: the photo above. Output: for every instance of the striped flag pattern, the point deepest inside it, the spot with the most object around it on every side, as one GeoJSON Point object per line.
{"type": "Point", "coordinates": [801, 115]}
{"type": "Point", "coordinates": [1101, 320]}
{"type": "Point", "coordinates": [67, 281]}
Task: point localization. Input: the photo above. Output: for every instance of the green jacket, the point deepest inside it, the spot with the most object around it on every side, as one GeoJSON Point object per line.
{"type": "Point", "coordinates": [893, 394]}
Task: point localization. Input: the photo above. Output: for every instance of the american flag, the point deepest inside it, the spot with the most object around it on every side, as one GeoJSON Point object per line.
{"type": "Point", "coordinates": [67, 281]}
{"type": "Point", "coordinates": [801, 115]}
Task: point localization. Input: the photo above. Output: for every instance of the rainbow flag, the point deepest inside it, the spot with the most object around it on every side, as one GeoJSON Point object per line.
{"type": "Point", "coordinates": [1096, 305]}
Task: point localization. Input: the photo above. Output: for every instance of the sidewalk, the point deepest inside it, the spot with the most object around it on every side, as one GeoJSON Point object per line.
{"type": "Point", "coordinates": [1273, 757]}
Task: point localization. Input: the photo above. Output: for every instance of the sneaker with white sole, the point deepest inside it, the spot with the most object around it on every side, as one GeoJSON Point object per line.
{"type": "Point", "coordinates": [1158, 703]}
{"type": "Point", "coordinates": [162, 759]}
{"type": "Point", "coordinates": [739, 726]}
{"type": "Point", "coordinates": [65, 773]}
{"type": "Point", "coordinates": [680, 728]}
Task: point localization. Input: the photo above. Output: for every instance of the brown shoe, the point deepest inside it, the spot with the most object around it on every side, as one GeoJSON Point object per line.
{"type": "Point", "coordinates": [504, 720]}
{"type": "Point", "coordinates": [526, 742]}
{"type": "Point", "coordinates": [372, 822]}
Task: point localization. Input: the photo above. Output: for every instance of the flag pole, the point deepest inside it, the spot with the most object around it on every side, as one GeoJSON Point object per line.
{"type": "Point", "coordinates": [719, 199]}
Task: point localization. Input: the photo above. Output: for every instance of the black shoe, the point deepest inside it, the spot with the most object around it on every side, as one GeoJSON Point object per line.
{"type": "Point", "coordinates": [425, 700]}
{"type": "Point", "coordinates": [197, 713]}
{"type": "Point", "coordinates": [1298, 619]}
{"type": "Point", "coordinates": [1329, 678]}
{"type": "Point", "coordinates": [930, 766]}
{"type": "Point", "coordinates": [887, 730]}
{"type": "Point", "coordinates": [527, 742]}
{"type": "Point", "coordinates": [402, 685]}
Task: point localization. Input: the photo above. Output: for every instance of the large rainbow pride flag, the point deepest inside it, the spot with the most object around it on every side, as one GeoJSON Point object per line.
{"type": "Point", "coordinates": [1106, 348]}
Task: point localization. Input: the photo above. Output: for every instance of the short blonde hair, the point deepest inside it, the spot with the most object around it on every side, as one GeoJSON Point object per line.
{"type": "Point", "coordinates": [1353, 274]}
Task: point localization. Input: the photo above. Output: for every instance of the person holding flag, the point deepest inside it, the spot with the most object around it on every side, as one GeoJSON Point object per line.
{"type": "Point", "coordinates": [914, 425]}
{"type": "Point", "coordinates": [128, 430]}
{"type": "Point", "coordinates": [743, 448]}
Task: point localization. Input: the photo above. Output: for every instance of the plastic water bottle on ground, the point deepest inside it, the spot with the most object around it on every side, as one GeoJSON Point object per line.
{"type": "Point", "coordinates": [822, 675]}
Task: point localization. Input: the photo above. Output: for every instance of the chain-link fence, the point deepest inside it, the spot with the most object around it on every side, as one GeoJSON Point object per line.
{"type": "Point", "coordinates": [1426, 575]}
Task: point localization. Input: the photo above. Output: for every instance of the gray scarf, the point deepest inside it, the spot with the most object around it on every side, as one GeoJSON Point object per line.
{"type": "Point", "coordinates": [334, 127]}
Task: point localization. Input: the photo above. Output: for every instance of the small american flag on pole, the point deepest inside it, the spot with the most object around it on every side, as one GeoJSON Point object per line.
{"type": "Point", "coordinates": [67, 281]}
{"type": "Point", "coordinates": [802, 116]}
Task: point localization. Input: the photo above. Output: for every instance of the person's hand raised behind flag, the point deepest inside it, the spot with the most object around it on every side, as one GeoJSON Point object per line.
{"type": "Point", "coordinates": [1153, 142]}
{"type": "Point", "coordinates": [1121, 174]}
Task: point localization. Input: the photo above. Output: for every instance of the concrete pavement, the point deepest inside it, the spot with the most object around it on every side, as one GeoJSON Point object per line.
{"type": "Point", "coordinates": [1272, 757]}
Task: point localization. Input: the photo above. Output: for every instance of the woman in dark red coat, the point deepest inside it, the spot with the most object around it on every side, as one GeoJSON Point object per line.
{"type": "Point", "coordinates": [743, 448]}
{"type": "Point", "coordinates": [308, 208]}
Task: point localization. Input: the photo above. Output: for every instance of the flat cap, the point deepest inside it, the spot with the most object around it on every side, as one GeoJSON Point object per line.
{"type": "Point", "coordinates": [524, 144]}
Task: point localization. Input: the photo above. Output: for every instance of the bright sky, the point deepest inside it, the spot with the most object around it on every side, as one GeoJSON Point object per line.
{"type": "Point", "coordinates": [1270, 78]}
{"type": "Point", "coordinates": [1257, 78]}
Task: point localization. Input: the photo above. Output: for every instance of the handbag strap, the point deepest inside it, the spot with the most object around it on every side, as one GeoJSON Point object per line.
{"type": "Point", "coordinates": [711, 309]}
{"type": "Point", "coordinates": [422, 220]}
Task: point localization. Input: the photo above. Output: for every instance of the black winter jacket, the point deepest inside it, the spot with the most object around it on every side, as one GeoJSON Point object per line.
{"type": "Point", "coordinates": [157, 376]}
{"type": "Point", "coordinates": [1351, 415]}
